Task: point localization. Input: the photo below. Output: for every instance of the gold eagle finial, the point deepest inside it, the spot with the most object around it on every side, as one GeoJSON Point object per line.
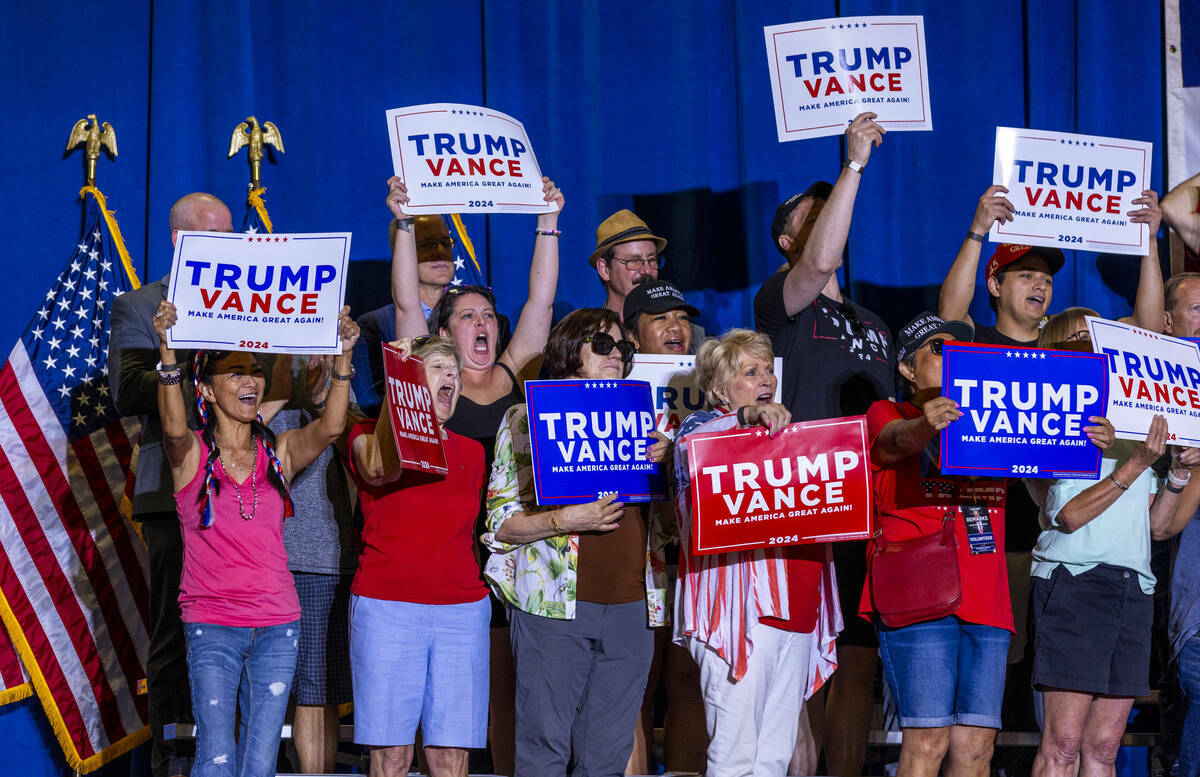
{"type": "Point", "coordinates": [94, 138]}
{"type": "Point", "coordinates": [248, 133]}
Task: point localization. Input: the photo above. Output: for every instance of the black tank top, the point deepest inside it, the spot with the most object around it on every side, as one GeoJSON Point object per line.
{"type": "Point", "coordinates": [481, 422]}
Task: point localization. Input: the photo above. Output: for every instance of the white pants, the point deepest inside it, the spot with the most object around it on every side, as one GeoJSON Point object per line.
{"type": "Point", "coordinates": [752, 724]}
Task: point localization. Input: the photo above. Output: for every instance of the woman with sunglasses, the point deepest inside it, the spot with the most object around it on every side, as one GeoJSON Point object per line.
{"type": "Point", "coordinates": [467, 314]}
{"type": "Point", "coordinates": [1093, 589]}
{"type": "Point", "coordinates": [946, 673]}
{"type": "Point", "coordinates": [581, 582]}
{"type": "Point", "coordinates": [238, 600]}
{"type": "Point", "coordinates": [760, 624]}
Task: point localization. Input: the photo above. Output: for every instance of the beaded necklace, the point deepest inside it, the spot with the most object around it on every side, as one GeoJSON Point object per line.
{"type": "Point", "coordinates": [238, 486]}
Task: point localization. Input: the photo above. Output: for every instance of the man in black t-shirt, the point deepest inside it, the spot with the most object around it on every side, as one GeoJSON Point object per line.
{"type": "Point", "coordinates": [837, 360]}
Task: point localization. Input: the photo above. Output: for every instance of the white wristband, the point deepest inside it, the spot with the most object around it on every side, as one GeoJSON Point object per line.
{"type": "Point", "coordinates": [1178, 482]}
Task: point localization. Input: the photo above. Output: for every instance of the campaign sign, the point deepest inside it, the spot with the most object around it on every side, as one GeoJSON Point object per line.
{"type": "Point", "coordinates": [673, 385]}
{"type": "Point", "coordinates": [589, 440]}
{"type": "Point", "coordinates": [1072, 191]}
{"type": "Point", "coordinates": [410, 408]}
{"type": "Point", "coordinates": [826, 72]}
{"type": "Point", "coordinates": [1024, 410]}
{"type": "Point", "coordinates": [1149, 374]}
{"type": "Point", "coordinates": [270, 293]}
{"type": "Point", "coordinates": [812, 483]}
{"type": "Point", "coordinates": [465, 159]}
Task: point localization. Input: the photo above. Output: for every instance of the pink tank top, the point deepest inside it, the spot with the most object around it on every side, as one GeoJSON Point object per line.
{"type": "Point", "coordinates": [235, 572]}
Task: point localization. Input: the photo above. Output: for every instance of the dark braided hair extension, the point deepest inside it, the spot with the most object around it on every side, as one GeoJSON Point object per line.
{"type": "Point", "coordinates": [202, 373]}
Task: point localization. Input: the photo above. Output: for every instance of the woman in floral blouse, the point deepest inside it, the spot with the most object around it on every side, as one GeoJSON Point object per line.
{"type": "Point", "coordinates": [585, 583]}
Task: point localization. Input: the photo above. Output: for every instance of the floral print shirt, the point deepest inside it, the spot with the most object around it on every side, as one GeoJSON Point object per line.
{"type": "Point", "coordinates": [539, 577]}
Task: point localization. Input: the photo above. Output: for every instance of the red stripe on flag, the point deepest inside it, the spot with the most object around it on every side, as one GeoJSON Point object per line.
{"type": "Point", "coordinates": [31, 627]}
{"type": "Point", "coordinates": [75, 526]}
{"type": "Point", "coordinates": [10, 665]}
{"type": "Point", "coordinates": [135, 576]}
{"type": "Point", "coordinates": [120, 444]}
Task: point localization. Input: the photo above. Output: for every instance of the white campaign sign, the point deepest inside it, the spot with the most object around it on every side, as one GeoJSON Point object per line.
{"type": "Point", "coordinates": [465, 159]}
{"type": "Point", "coordinates": [262, 292]}
{"type": "Point", "coordinates": [673, 387]}
{"type": "Point", "coordinates": [826, 72]}
{"type": "Point", "coordinates": [1072, 191]}
{"type": "Point", "coordinates": [1149, 374]}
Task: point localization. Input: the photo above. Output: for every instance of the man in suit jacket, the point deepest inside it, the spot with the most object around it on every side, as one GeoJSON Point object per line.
{"type": "Point", "coordinates": [133, 380]}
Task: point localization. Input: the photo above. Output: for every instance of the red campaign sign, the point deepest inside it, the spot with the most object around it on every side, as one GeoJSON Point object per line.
{"type": "Point", "coordinates": [410, 406]}
{"type": "Point", "coordinates": [812, 483]}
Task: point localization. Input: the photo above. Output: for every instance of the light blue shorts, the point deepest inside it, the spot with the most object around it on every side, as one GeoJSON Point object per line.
{"type": "Point", "coordinates": [419, 663]}
{"type": "Point", "coordinates": [945, 672]}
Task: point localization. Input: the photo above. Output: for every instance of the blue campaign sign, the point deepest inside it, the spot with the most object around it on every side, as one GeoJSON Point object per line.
{"type": "Point", "coordinates": [1024, 410]}
{"type": "Point", "coordinates": [589, 439]}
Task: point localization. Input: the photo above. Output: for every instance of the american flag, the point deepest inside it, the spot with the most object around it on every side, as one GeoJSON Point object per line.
{"type": "Point", "coordinates": [73, 572]}
{"type": "Point", "coordinates": [466, 267]}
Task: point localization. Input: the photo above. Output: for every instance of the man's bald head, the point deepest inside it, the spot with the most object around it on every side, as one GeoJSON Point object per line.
{"type": "Point", "coordinates": [200, 212]}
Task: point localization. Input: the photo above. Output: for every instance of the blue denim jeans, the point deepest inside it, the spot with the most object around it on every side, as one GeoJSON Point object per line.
{"type": "Point", "coordinates": [945, 672]}
{"type": "Point", "coordinates": [1189, 680]}
{"type": "Point", "coordinates": [250, 667]}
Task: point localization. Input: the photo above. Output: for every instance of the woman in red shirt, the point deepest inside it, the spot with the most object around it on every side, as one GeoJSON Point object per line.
{"type": "Point", "coordinates": [947, 674]}
{"type": "Point", "coordinates": [419, 610]}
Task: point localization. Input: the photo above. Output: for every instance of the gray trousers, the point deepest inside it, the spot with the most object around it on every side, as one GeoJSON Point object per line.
{"type": "Point", "coordinates": [579, 688]}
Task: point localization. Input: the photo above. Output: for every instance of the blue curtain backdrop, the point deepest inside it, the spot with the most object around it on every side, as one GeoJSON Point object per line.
{"type": "Point", "coordinates": [661, 106]}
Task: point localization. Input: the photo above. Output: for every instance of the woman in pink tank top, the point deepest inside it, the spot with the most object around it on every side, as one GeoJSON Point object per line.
{"type": "Point", "coordinates": [238, 602]}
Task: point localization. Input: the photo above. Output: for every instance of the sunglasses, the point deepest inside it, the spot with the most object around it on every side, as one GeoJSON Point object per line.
{"type": "Point", "coordinates": [603, 343]}
{"type": "Point", "coordinates": [935, 347]}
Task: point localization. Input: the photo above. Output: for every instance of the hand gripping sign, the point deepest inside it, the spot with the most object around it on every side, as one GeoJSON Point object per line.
{"type": "Point", "coordinates": [812, 483]}
{"type": "Point", "coordinates": [1024, 410]}
{"type": "Point", "coordinates": [465, 159]}
{"type": "Point", "coordinates": [589, 440]}
{"type": "Point", "coordinates": [269, 293]}
{"type": "Point", "coordinates": [673, 385]}
{"type": "Point", "coordinates": [826, 72]}
{"type": "Point", "coordinates": [1072, 191]}
{"type": "Point", "coordinates": [410, 411]}
{"type": "Point", "coordinates": [1149, 374]}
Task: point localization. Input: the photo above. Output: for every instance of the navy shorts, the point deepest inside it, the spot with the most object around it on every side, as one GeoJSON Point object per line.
{"type": "Point", "coordinates": [945, 672]}
{"type": "Point", "coordinates": [1091, 632]}
{"type": "Point", "coordinates": [323, 663]}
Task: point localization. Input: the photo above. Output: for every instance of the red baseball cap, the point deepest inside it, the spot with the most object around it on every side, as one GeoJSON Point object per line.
{"type": "Point", "coordinates": [1008, 253]}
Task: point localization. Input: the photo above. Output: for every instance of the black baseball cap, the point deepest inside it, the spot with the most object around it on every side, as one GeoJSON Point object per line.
{"type": "Point", "coordinates": [654, 297]}
{"type": "Point", "coordinates": [913, 334]}
{"type": "Point", "coordinates": [819, 189]}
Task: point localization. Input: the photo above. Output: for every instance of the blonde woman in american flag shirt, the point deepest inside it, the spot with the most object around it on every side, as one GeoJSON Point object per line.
{"type": "Point", "coordinates": [761, 624]}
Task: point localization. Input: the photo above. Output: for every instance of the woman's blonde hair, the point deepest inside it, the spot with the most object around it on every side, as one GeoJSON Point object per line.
{"type": "Point", "coordinates": [436, 345]}
{"type": "Point", "coordinates": [718, 360]}
{"type": "Point", "coordinates": [1062, 325]}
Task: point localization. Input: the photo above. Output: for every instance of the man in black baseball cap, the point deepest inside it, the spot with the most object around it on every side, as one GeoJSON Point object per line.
{"type": "Point", "coordinates": [659, 319]}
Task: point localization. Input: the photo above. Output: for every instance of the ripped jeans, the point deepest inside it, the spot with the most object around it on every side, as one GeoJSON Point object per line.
{"type": "Point", "coordinates": [230, 666]}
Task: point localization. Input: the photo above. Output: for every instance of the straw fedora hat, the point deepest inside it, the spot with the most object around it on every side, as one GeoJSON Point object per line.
{"type": "Point", "coordinates": [622, 227]}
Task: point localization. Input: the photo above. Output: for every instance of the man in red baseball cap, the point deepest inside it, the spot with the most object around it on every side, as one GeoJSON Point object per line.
{"type": "Point", "coordinates": [1019, 278]}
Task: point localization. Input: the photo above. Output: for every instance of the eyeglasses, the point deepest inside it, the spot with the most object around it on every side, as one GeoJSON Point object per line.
{"type": "Point", "coordinates": [640, 262]}
{"type": "Point", "coordinates": [1081, 335]}
{"type": "Point", "coordinates": [434, 243]}
{"type": "Point", "coordinates": [603, 343]}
